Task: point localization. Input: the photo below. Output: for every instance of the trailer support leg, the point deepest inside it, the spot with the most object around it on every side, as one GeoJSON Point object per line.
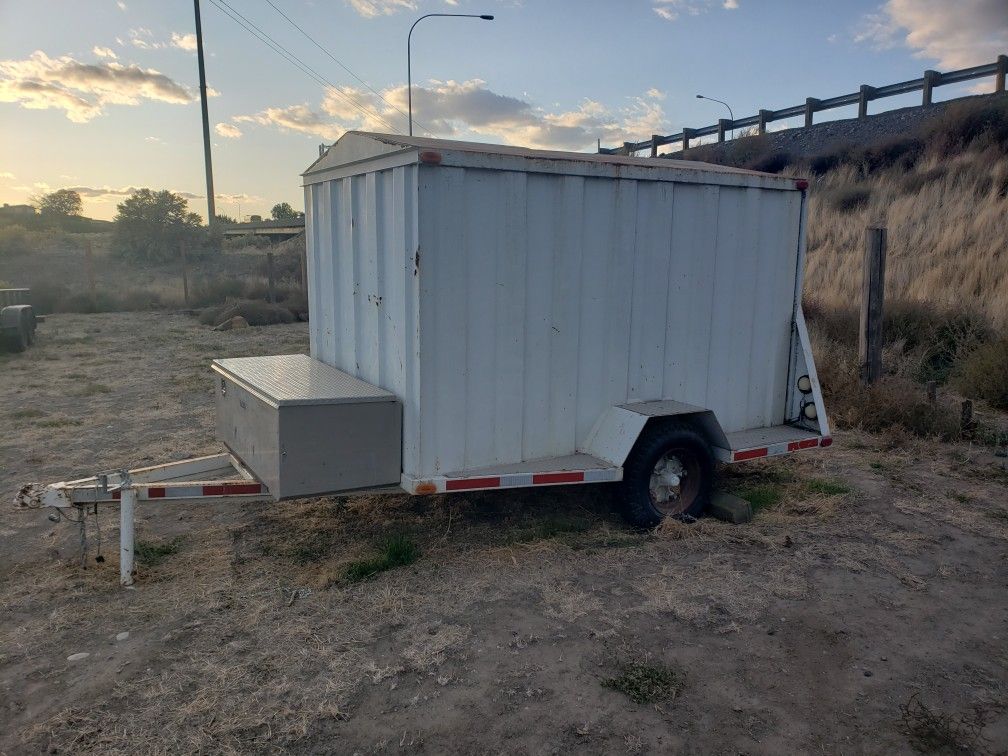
{"type": "Point", "coordinates": [126, 505]}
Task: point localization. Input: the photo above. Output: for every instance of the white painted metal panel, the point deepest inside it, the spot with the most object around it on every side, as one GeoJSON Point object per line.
{"type": "Point", "coordinates": [363, 285]}
{"type": "Point", "coordinates": [510, 309]}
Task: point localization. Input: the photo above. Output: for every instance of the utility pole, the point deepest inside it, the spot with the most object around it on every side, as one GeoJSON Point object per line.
{"type": "Point", "coordinates": [211, 213]}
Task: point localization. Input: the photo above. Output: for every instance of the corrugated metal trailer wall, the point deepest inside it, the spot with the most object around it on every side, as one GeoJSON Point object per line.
{"type": "Point", "coordinates": [363, 283]}
{"type": "Point", "coordinates": [535, 301]}
{"type": "Point", "coordinates": [546, 299]}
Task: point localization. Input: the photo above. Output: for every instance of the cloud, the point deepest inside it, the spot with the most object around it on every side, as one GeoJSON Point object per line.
{"type": "Point", "coordinates": [373, 8]}
{"type": "Point", "coordinates": [143, 39]}
{"type": "Point", "coordinates": [104, 52]}
{"type": "Point", "coordinates": [451, 109]}
{"type": "Point", "coordinates": [184, 41]}
{"type": "Point", "coordinates": [670, 10]}
{"type": "Point", "coordinates": [109, 193]}
{"type": "Point", "coordinates": [82, 90]}
{"type": "Point", "coordinates": [956, 35]}
{"type": "Point", "coordinates": [228, 130]}
{"type": "Point", "coordinates": [122, 5]}
{"type": "Point", "coordinates": [7, 175]}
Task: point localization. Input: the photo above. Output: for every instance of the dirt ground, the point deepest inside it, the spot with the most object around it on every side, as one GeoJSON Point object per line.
{"type": "Point", "coordinates": [863, 611]}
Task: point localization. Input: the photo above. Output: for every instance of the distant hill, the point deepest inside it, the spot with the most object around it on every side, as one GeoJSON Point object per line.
{"type": "Point", "coordinates": [73, 224]}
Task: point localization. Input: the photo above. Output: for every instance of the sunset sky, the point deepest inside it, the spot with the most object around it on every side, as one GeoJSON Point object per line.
{"type": "Point", "coordinates": [101, 95]}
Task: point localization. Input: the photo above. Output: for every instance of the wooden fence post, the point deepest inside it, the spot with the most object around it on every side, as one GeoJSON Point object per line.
{"type": "Point", "coordinates": [185, 271]}
{"type": "Point", "coordinates": [304, 270]}
{"type": "Point", "coordinates": [931, 78]}
{"type": "Point", "coordinates": [865, 95]}
{"type": "Point", "coordinates": [811, 106]}
{"type": "Point", "coordinates": [872, 299]}
{"type": "Point", "coordinates": [89, 264]}
{"type": "Point", "coordinates": [271, 278]}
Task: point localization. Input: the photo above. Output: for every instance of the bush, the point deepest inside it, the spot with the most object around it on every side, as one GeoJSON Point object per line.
{"type": "Point", "coordinates": [847, 199]}
{"type": "Point", "coordinates": [17, 240]}
{"type": "Point", "coordinates": [982, 124]}
{"type": "Point", "coordinates": [773, 163]}
{"type": "Point", "coordinates": [257, 313]}
{"type": "Point", "coordinates": [233, 243]}
{"type": "Point", "coordinates": [912, 183]}
{"type": "Point", "coordinates": [983, 374]}
{"type": "Point", "coordinates": [825, 163]}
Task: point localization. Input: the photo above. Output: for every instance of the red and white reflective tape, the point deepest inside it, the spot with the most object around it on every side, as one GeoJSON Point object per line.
{"type": "Point", "coordinates": [443, 484]}
{"type": "Point", "coordinates": [773, 450]}
{"type": "Point", "coordinates": [196, 491]}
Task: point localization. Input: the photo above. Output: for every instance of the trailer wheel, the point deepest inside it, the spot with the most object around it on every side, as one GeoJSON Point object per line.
{"type": "Point", "coordinates": [668, 474]}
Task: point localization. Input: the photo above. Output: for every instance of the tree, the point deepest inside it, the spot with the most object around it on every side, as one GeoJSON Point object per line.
{"type": "Point", "coordinates": [149, 225]}
{"type": "Point", "coordinates": [284, 211]}
{"type": "Point", "coordinates": [63, 203]}
{"type": "Point", "coordinates": [225, 220]}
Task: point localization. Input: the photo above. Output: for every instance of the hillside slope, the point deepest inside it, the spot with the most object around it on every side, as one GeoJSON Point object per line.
{"type": "Point", "coordinates": [937, 178]}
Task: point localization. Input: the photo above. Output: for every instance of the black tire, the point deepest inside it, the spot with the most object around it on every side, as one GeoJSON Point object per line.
{"type": "Point", "coordinates": [676, 445]}
{"type": "Point", "coordinates": [16, 339]}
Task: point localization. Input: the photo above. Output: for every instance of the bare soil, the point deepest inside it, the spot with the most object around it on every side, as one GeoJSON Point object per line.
{"type": "Point", "coordinates": [863, 611]}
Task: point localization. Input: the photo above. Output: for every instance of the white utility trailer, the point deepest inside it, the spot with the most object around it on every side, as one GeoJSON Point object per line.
{"type": "Point", "coordinates": [489, 317]}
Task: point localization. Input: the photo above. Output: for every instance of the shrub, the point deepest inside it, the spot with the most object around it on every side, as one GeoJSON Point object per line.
{"type": "Point", "coordinates": [824, 163]}
{"type": "Point", "coordinates": [256, 313]}
{"type": "Point", "coordinates": [773, 163]}
{"type": "Point", "coordinates": [983, 374]}
{"type": "Point", "coordinates": [17, 240]}
{"type": "Point", "coordinates": [982, 123]}
{"type": "Point", "coordinates": [847, 199]}
{"type": "Point", "coordinates": [912, 183]}
{"type": "Point", "coordinates": [244, 242]}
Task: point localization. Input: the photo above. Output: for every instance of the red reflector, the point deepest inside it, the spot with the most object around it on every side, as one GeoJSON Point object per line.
{"type": "Point", "coordinates": [429, 156]}
{"type": "Point", "coordinates": [557, 477]}
{"type": "Point", "coordinates": [801, 184]}
{"type": "Point", "coordinates": [465, 484]}
{"type": "Point", "coordinates": [156, 493]}
{"type": "Point", "coordinates": [231, 489]}
{"type": "Point", "coordinates": [827, 441]}
{"type": "Point", "coordinates": [742, 456]}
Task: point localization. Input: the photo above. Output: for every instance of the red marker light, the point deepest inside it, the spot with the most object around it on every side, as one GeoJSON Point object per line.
{"type": "Point", "coordinates": [827, 441]}
{"type": "Point", "coordinates": [429, 156]}
{"type": "Point", "coordinates": [801, 184]}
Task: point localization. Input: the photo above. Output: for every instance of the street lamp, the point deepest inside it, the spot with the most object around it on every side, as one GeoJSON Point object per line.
{"type": "Point", "coordinates": [409, 40]}
{"type": "Point", "coordinates": [732, 115]}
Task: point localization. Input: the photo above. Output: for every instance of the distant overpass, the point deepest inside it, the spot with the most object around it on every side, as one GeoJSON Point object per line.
{"type": "Point", "coordinates": [274, 230]}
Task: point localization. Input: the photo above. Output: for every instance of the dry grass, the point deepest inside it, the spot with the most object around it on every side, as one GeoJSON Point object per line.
{"type": "Point", "coordinates": [946, 243]}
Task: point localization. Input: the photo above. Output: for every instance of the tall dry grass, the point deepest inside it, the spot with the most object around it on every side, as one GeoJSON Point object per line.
{"type": "Point", "coordinates": [947, 245]}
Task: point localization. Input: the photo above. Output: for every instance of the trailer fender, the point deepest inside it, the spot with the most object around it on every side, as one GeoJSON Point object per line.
{"type": "Point", "coordinates": [616, 432]}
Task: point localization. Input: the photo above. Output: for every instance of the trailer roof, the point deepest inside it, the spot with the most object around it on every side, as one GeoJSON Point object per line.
{"type": "Point", "coordinates": [363, 146]}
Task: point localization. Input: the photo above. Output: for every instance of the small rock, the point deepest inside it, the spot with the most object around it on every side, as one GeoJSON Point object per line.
{"type": "Point", "coordinates": [78, 656]}
{"type": "Point", "coordinates": [771, 631]}
{"type": "Point", "coordinates": [124, 635]}
{"type": "Point", "coordinates": [867, 673]}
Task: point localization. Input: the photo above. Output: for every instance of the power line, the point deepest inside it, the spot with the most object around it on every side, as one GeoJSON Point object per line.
{"type": "Point", "coordinates": [342, 65]}
{"type": "Point", "coordinates": [224, 7]}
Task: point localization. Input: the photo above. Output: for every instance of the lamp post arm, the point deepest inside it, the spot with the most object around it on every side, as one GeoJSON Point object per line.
{"type": "Point", "coordinates": [409, 55]}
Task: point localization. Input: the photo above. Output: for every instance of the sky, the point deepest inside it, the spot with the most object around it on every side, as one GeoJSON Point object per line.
{"type": "Point", "coordinates": [102, 95]}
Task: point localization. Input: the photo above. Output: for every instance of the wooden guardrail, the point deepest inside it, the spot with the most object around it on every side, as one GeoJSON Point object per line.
{"type": "Point", "coordinates": [861, 98]}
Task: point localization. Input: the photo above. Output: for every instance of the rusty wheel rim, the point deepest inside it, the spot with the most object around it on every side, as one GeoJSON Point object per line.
{"type": "Point", "coordinates": [675, 482]}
